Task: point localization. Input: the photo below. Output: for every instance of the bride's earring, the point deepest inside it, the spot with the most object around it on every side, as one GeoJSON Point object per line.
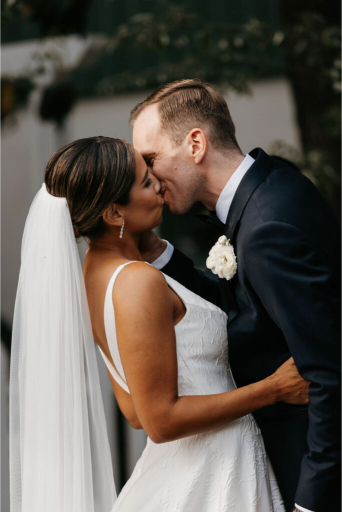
{"type": "Point", "coordinates": [122, 228]}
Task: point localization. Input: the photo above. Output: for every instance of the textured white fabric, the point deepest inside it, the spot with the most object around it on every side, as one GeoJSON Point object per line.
{"type": "Point", "coordinates": [224, 470]}
{"type": "Point", "coordinates": [227, 195]}
{"type": "Point", "coordinates": [59, 451]}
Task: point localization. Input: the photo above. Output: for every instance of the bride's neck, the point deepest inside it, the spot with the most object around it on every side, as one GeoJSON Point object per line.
{"type": "Point", "coordinates": [126, 247]}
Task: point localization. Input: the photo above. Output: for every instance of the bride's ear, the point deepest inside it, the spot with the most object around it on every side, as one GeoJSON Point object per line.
{"type": "Point", "coordinates": [112, 216]}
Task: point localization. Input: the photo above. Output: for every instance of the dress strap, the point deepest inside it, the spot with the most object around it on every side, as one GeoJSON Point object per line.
{"type": "Point", "coordinates": [110, 328]}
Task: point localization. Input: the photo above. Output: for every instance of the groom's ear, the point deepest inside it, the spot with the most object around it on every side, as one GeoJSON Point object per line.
{"type": "Point", "coordinates": [112, 216]}
{"type": "Point", "coordinates": [198, 142]}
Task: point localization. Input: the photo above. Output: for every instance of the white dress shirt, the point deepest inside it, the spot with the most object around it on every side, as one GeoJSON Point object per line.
{"type": "Point", "coordinates": [222, 208]}
{"type": "Point", "coordinates": [226, 197]}
{"type": "Point", "coordinates": [164, 258]}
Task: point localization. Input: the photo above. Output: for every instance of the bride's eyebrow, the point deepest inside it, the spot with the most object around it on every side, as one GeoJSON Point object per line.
{"type": "Point", "coordinates": [145, 177]}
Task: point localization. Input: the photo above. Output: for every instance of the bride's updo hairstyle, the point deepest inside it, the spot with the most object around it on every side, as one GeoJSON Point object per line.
{"type": "Point", "coordinates": [91, 174]}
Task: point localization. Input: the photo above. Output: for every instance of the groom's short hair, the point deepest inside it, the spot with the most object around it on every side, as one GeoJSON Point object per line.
{"type": "Point", "coordinates": [190, 103]}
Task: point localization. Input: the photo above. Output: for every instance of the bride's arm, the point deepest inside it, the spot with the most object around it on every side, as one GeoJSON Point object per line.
{"type": "Point", "coordinates": [144, 309]}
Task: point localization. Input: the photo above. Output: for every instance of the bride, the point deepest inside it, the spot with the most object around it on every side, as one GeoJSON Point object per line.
{"type": "Point", "coordinates": [164, 346]}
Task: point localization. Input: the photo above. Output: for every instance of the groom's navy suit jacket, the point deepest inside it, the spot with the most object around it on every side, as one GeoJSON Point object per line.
{"type": "Point", "coordinates": [284, 301]}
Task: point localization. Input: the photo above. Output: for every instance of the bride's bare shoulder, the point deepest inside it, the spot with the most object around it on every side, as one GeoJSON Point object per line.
{"type": "Point", "coordinates": [142, 300]}
{"type": "Point", "coordinates": [139, 282]}
{"type": "Point", "coordinates": [139, 274]}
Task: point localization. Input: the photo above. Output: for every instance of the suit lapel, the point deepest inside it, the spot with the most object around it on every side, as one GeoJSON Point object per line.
{"type": "Point", "coordinates": [255, 175]}
{"type": "Point", "coordinates": [251, 180]}
{"type": "Point", "coordinates": [258, 171]}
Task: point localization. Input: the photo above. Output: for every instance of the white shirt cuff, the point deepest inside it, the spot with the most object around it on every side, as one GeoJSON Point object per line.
{"type": "Point", "coordinates": [302, 508]}
{"type": "Point", "coordinates": [165, 257]}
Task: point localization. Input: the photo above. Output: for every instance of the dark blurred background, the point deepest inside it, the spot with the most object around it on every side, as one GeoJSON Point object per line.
{"type": "Point", "coordinates": [75, 68]}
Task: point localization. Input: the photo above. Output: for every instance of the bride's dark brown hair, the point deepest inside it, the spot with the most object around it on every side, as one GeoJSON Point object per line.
{"type": "Point", "coordinates": [91, 174]}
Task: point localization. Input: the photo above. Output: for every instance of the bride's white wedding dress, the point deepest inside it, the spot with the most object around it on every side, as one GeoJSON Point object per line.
{"type": "Point", "coordinates": [223, 470]}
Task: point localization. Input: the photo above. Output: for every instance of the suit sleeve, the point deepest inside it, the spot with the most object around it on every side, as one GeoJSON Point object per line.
{"type": "Point", "coordinates": [181, 268]}
{"type": "Point", "coordinates": [300, 291]}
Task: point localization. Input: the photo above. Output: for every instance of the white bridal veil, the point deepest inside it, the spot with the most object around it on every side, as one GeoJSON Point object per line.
{"type": "Point", "coordinates": [59, 451]}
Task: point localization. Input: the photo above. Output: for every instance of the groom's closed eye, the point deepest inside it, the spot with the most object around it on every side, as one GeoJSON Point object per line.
{"type": "Point", "coordinates": [149, 161]}
{"type": "Point", "coordinates": [149, 158]}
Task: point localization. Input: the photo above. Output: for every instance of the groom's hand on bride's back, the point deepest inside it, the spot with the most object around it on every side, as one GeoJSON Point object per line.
{"type": "Point", "coordinates": [151, 246]}
{"type": "Point", "coordinates": [293, 389]}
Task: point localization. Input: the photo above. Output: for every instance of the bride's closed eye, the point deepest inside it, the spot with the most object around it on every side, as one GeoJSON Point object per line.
{"type": "Point", "coordinates": [148, 182]}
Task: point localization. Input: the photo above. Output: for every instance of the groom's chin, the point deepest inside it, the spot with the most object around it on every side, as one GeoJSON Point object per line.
{"type": "Point", "coordinates": [177, 209]}
{"type": "Point", "coordinates": [176, 206]}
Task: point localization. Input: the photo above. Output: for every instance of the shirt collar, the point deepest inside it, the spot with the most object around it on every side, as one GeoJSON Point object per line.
{"type": "Point", "coordinates": [227, 194]}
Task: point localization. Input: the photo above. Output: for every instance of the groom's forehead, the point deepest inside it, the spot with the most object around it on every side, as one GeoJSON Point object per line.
{"type": "Point", "coordinates": [147, 123]}
{"type": "Point", "coordinates": [145, 137]}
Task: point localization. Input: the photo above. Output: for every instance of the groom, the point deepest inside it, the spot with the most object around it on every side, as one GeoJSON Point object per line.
{"type": "Point", "coordinates": [284, 299]}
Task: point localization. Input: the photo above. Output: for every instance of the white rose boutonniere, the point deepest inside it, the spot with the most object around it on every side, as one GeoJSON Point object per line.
{"type": "Point", "coordinates": [222, 259]}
